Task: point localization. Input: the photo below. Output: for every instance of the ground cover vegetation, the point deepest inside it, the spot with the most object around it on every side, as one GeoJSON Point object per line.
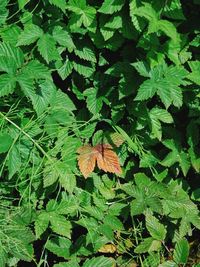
{"type": "Point", "coordinates": [99, 139]}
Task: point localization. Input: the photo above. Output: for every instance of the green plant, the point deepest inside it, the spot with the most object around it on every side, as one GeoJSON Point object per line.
{"type": "Point", "coordinates": [114, 82]}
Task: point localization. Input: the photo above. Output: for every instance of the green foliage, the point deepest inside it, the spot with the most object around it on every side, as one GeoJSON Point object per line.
{"type": "Point", "coordinates": [124, 74]}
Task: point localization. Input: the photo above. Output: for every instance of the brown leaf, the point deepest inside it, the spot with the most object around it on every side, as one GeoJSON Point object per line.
{"type": "Point", "coordinates": [108, 248]}
{"type": "Point", "coordinates": [107, 159]}
{"type": "Point", "coordinates": [86, 160]}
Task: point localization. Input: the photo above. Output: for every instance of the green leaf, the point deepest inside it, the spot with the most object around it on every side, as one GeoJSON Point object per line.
{"type": "Point", "coordinates": [138, 206]}
{"type": "Point", "coordinates": [50, 176]}
{"type": "Point", "coordinates": [113, 222]}
{"type": "Point", "coordinates": [63, 38]}
{"type": "Point", "coordinates": [5, 142]}
{"type": "Point", "coordinates": [195, 68]}
{"type": "Point", "coordinates": [147, 245]}
{"type": "Point", "coordinates": [3, 11]}
{"type": "Point", "coordinates": [84, 69]}
{"type": "Point", "coordinates": [30, 35]}
{"type": "Point", "coordinates": [7, 64]}
{"type": "Point", "coordinates": [60, 225]}
{"type": "Point", "coordinates": [59, 3]}
{"type": "Point", "coordinates": [181, 252]}
{"type": "Point", "coordinates": [47, 47]}
{"type": "Point", "coordinates": [161, 114]}
{"type": "Point", "coordinates": [111, 6]}
{"type": "Point", "coordinates": [36, 70]}
{"type": "Point", "coordinates": [7, 84]}
{"type": "Point", "coordinates": [83, 14]}
{"type": "Point", "coordinates": [41, 96]}
{"type": "Point", "coordinates": [174, 10]}
{"type": "Point", "coordinates": [10, 34]}
{"type": "Point", "coordinates": [66, 69]}
{"type": "Point", "coordinates": [156, 115]}
{"type": "Point", "coordinates": [63, 101]}
{"type": "Point", "coordinates": [71, 263]}
{"type": "Point", "coordinates": [22, 3]}
{"type": "Point", "coordinates": [41, 224]}
{"type": "Point", "coordinates": [14, 161]}
{"type": "Point", "coordinates": [68, 182]}
{"type": "Point", "coordinates": [155, 228]}
{"type": "Point", "coordinates": [184, 162]}
{"type": "Point", "coordinates": [141, 68]}
{"type": "Point", "coordinates": [60, 246]}
{"type": "Point", "coordinates": [168, 264]}
{"type": "Point", "coordinates": [44, 96]}
{"type": "Point", "coordinates": [148, 12]}
{"type": "Point", "coordinates": [99, 262]}
{"type": "Point", "coordinates": [134, 19]}
{"type": "Point", "coordinates": [146, 90]}
{"type": "Point", "coordinates": [94, 102]}
{"type": "Point", "coordinates": [166, 82]}
{"type": "Point", "coordinates": [168, 28]}
{"type": "Point", "coordinates": [85, 53]}
{"type": "Point", "coordinates": [10, 51]}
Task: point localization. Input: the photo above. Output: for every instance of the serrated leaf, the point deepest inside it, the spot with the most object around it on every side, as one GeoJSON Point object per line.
{"type": "Point", "coordinates": [162, 115]}
{"type": "Point", "coordinates": [181, 252]}
{"type": "Point", "coordinates": [134, 19]}
{"type": "Point", "coordinates": [184, 162]}
{"type": "Point", "coordinates": [71, 263]}
{"type": "Point", "coordinates": [5, 142]}
{"type": "Point", "coordinates": [168, 28]}
{"type": "Point", "coordinates": [41, 96]}
{"type": "Point", "coordinates": [146, 90]}
{"type": "Point", "coordinates": [60, 225]}
{"type": "Point", "coordinates": [7, 84]}
{"type": "Point", "coordinates": [85, 53]}
{"type": "Point", "coordinates": [155, 228]}
{"type": "Point", "coordinates": [66, 69]}
{"type": "Point", "coordinates": [137, 206]}
{"type": "Point", "coordinates": [47, 47]}
{"type": "Point", "coordinates": [68, 182]}
{"type": "Point", "coordinates": [63, 38]}
{"type": "Point", "coordinates": [10, 51]}
{"type": "Point", "coordinates": [107, 160]}
{"type": "Point", "coordinates": [111, 6]}
{"type": "Point", "coordinates": [59, 3]}
{"type": "Point", "coordinates": [141, 68]}
{"type": "Point", "coordinates": [60, 246]}
{"type": "Point", "coordinates": [36, 70]}
{"type": "Point", "coordinates": [50, 174]}
{"type": "Point", "coordinates": [156, 115]}
{"type": "Point", "coordinates": [99, 262]}
{"type": "Point", "coordinates": [195, 68]}
{"type": "Point", "coordinates": [94, 102]}
{"type": "Point", "coordinates": [113, 222]}
{"type": "Point", "coordinates": [41, 224]}
{"type": "Point", "coordinates": [14, 161]}
{"type": "Point", "coordinates": [30, 35]}
{"type": "Point", "coordinates": [84, 69]}
{"type": "Point", "coordinates": [83, 13]}
{"type": "Point", "coordinates": [168, 264]}
{"type": "Point", "coordinates": [7, 64]}
{"type": "Point", "coordinates": [86, 160]}
{"type": "Point", "coordinates": [147, 245]}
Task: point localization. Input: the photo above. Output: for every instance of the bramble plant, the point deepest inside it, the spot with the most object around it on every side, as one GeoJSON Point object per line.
{"type": "Point", "coordinates": [99, 140]}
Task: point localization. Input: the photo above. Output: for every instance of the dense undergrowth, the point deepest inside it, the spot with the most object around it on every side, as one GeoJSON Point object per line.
{"type": "Point", "coordinates": [122, 76]}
